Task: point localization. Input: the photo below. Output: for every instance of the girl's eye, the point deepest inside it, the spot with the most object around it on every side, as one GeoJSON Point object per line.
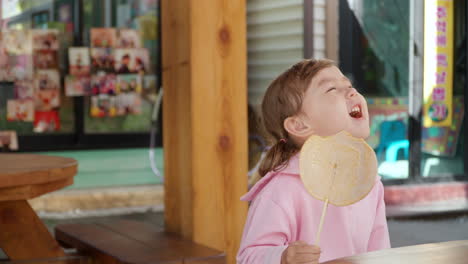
{"type": "Point", "coordinates": [331, 89]}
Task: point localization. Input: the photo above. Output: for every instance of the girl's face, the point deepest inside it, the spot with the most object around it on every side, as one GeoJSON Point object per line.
{"type": "Point", "coordinates": [331, 105]}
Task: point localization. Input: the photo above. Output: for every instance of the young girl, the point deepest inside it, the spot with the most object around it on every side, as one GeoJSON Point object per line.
{"type": "Point", "coordinates": [313, 97]}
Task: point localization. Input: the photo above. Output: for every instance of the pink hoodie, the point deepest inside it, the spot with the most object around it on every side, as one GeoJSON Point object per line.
{"type": "Point", "coordinates": [282, 211]}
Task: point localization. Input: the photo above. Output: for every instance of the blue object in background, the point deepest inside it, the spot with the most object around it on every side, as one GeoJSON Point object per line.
{"type": "Point", "coordinates": [392, 139]}
{"type": "Point", "coordinates": [391, 155]}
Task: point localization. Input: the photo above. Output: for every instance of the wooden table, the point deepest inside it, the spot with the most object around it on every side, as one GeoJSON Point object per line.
{"type": "Point", "coordinates": [24, 176]}
{"type": "Point", "coordinates": [453, 252]}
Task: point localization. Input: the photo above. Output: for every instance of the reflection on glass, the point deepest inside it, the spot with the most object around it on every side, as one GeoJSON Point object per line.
{"type": "Point", "coordinates": [442, 147]}
{"type": "Point", "coordinates": [379, 47]}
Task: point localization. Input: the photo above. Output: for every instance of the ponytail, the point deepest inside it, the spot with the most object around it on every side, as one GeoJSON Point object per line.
{"type": "Point", "coordinates": [283, 99]}
{"type": "Point", "coordinates": [277, 156]}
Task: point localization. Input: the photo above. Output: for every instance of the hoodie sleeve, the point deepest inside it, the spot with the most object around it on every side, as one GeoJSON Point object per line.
{"type": "Point", "coordinates": [266, 233]}
{"type": "Point", "coordinates": [379, 237]}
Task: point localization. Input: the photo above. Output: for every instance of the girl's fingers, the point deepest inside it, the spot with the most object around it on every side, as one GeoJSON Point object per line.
{"type": "Point", "coordinates": [308, 249]}
{"type": "Point", "coordinates": [297, 243]}
{"type": "Point", "coordinates": [302, 258]}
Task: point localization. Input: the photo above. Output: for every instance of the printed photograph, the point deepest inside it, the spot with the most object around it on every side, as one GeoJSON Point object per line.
{"type": "Point", "coordinates": [21, 67]}
{"type": "Point", "coordinates": [128, 103]}
{"type": "Point", "coordinates": [20, 110]}
{"type": "Point", "coordinates": [24, 89]}
{"type": "Point", "coordinates": [102, 105]}
{"type": "Point", "coordinates": [14, 68]}
{"type": "Point", "coordinates": [103, 37]}
{"type": "Point", "coordinates": [102, 59]}
{"type": "Point", "coordinates": [127, 83]}
{"type": "Point", "coordinates": [45, 39]}
{"type": "Point", "coordinates": [47, 90]}
{"type": "Point", "coordinates": [17, 42]}
{"type": "Point", "coordinates": [129, 38]}
{"type": "Point", "coordinates": [8, 140]}
{"type": "Point", "coordinates": [79, 61]}
{"type": "Point", "coordinates": [6, 75]}
{"type": "Point", "coordinates": [77, 86]}
{"type": "Point", "coordinates": [46, 121]}
{"type": "Point", "coordinates": [45, 59]}
{"type": "Point", "coordinates": [124, 61]}
{"type": "Point", "coordinates": [141, 57]}
{"type": "Point", "coordinates": [103, 83]}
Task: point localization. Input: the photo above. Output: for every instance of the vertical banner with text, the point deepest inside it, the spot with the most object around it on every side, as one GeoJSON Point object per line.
{"type": "Point", "coordinates": [438, 62]}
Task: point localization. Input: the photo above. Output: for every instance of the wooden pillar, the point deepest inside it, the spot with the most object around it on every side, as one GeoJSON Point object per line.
{"type": "Point", "coordinates": [205, 120]}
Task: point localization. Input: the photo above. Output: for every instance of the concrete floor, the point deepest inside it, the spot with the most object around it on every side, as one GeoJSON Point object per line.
{"type": "Point", "coordinates": [406, 232]}
{"type": "Point", "coordinates": [403, 231]}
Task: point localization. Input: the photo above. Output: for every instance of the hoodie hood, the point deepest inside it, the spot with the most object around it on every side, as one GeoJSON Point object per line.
{"type": "Point", "coordinates": [292, 168]}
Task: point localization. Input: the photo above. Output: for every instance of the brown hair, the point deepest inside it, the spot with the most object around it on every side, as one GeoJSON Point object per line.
{"type": "Point", "coordinates": [283, 99]}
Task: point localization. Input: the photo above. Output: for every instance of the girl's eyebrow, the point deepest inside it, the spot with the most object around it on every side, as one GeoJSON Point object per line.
{"type": "Point", "coordinates": [325, 80]}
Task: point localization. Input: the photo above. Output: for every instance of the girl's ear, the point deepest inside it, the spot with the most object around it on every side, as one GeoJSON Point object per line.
{"type": "Point", "coordinates": [296, 126]}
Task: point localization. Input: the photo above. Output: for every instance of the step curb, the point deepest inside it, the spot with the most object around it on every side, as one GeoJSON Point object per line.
{"type": "Point", "coordinates": [91, 201]}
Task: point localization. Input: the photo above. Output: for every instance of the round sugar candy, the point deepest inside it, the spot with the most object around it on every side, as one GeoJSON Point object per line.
{"type": "Point", "coordinates": [340, 168]}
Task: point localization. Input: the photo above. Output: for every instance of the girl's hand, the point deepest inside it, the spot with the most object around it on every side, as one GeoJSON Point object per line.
{"type": "Point", "coordinates": [300, 252]}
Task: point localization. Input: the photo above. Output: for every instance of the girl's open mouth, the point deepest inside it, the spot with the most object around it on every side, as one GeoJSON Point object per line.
{"type": "Point", "coordinates": [356, 112]}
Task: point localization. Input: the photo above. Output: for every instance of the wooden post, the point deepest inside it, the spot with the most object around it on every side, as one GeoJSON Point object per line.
{"type": "Point", "coordinates": [205, 120]}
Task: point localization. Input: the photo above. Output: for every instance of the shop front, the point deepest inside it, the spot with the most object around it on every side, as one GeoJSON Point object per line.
{"type": "Point", "coordinates": [79, 74]}
{"type": "Point", "coordinates": [408, 58]}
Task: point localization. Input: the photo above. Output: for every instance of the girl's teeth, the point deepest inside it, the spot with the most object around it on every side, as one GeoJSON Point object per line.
{"type": "Point", "coordinates": [355, 109]}
{"type": "Point", "coordinates": [355, 112]}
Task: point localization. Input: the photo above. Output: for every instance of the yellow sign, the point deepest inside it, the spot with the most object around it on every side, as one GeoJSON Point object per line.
{"type": "Point", "coordinates": [438, 62]}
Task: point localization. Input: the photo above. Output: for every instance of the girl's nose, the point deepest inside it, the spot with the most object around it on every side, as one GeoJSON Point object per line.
{"type": "Point", "coordinates": [351, 92]}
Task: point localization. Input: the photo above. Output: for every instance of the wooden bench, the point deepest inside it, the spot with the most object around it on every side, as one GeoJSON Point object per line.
{"type": "Point", "coordinates": [125, 241]}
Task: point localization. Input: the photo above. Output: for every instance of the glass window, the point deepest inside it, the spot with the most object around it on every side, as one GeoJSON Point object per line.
{"type": "Point", "coordinates": [120, 17]}
{"type": "Point", "coordinates": [443, 147]}
{"type": "Point", "coordinates": [33, 98]}
{"type": "Point", "coordinates": [378, 64]}
{"type": "Point", "coordinates": [70, 88]}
